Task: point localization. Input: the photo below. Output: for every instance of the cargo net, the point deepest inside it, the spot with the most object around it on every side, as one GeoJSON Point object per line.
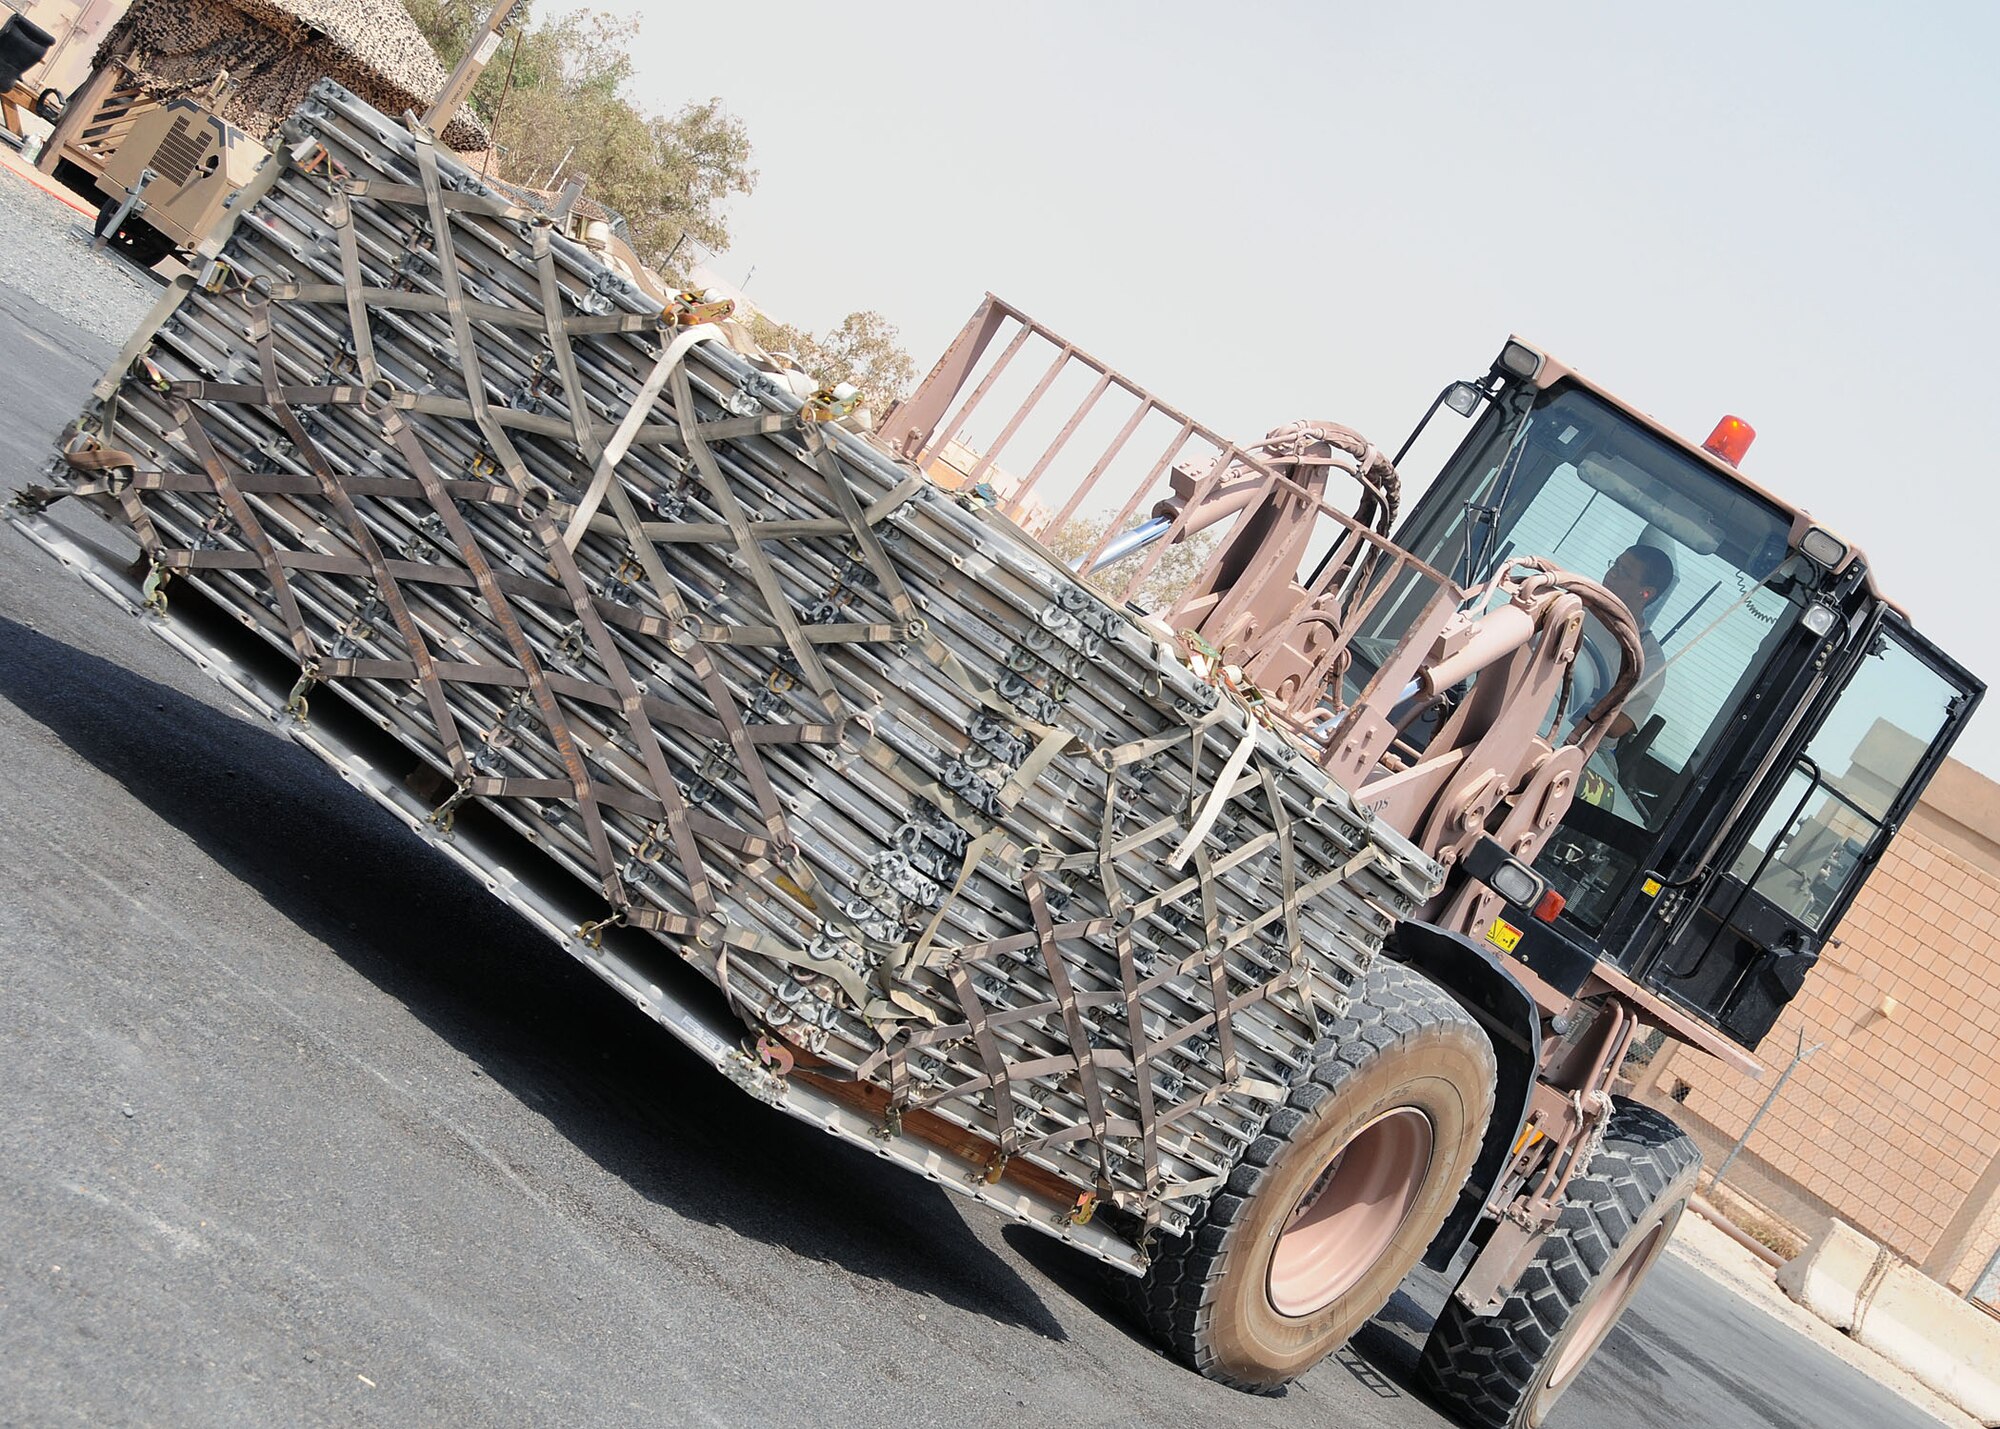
{"type": "Point", "coordinates": [922, 804]}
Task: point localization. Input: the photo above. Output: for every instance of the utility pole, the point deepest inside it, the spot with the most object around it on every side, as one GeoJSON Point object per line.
{"type": "Point", "coordinates": [469, 67]}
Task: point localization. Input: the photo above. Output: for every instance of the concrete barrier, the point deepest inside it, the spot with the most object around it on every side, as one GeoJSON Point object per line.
{"type": "Point", "coordinates": [1950, 1345]}
{"type": "Point", "coordinates": [1909, 1319]}
{"type": "Point", "coordinates": [1832, 1275]}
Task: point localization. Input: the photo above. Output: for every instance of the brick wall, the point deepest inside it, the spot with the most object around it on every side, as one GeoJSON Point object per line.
{"type": "Point", "coordinates": [1895, 1123]}
{"type": "Point", "coordinates": [1977, 1251]}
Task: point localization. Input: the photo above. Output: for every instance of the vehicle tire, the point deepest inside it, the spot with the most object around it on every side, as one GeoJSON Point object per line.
{"type": "Point", "coordinates": [137, 239]}
{"type": "Point", "coordinates": [1506, 1370]}
{"type": "Point", "coordinates": [1339, 1196]}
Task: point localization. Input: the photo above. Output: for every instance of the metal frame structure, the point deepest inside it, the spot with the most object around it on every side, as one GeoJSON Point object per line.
{"type": "Point", "coordinates": [1199, 480]}
{"type": "Point", "coordinates": [511, 871]}
{"type": "Point", "coordinates": [971, 847]}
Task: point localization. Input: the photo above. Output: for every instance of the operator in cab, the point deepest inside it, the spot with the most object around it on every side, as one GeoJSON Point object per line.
{"type": "Point", "coordinates": [1639, 576]}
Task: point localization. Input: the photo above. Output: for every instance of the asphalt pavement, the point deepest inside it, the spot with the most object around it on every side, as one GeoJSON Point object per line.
{"type": "Point", "coordinates": [297, 1126]}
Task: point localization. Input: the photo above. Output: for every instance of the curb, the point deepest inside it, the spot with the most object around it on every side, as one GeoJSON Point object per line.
{"type": "Point", "coordinates": [1729, 1228]}
{"type": "Point", "coordinates": [22, 169]}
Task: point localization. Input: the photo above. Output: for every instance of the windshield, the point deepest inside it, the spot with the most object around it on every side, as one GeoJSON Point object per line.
{"type": "Point", "coordinates": [1703, 563]}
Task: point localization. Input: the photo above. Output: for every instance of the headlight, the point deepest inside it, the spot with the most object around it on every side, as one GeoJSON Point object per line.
{"type": "Point", "coordinates": [1490, 863]}
{"type": "Point", "coordinates": [1516, 882]}
{"type": "Point", "coordinates": [1517, 359]}
{"type": "Point", "coordinates": [1462, 398]}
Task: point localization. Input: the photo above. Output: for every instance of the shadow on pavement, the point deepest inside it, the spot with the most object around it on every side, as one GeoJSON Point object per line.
{"type": "Point", "coordinates": [1381, 1358]}
{"type": "Point", "coordinates": [614, 1084]}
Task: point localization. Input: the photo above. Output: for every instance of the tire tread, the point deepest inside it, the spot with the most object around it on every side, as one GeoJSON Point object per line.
{"type": "Point", "coordinates": [1395, 1005]}
{"type": "Point", "coordinates": [1483, 1369]}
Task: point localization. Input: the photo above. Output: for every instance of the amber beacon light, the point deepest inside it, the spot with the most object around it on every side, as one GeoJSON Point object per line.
{"type": "Point", "coordinates": [1730, 439]}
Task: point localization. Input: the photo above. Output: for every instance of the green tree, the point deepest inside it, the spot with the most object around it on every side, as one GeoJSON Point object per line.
{"type": "Point", "coordinates": [556, 97]}
{"type": "Point", "coordinates": [865, 349]}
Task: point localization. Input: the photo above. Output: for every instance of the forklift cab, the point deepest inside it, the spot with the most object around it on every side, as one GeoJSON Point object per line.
{"type": "Point", "coordinates": [1787, 719]}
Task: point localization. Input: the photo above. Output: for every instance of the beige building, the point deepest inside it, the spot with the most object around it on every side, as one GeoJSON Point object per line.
{"type": "Point", "coordinates": [1894, 1124]}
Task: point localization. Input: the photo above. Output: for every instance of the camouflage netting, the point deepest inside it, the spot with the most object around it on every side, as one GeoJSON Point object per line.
{"type": "Point", "coordinates": [276, 50]}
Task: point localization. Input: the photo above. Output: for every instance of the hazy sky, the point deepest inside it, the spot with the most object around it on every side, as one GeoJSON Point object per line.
{"type": "Point", "coordinates": [1266, 212]}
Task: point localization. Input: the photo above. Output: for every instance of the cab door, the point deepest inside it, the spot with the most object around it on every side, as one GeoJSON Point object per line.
{"type": "Point", "coordinates": [1820, 824]}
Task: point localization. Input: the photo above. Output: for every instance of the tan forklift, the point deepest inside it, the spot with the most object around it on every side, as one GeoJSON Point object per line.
{"type": "Point", "coordinates": [1262, 940]}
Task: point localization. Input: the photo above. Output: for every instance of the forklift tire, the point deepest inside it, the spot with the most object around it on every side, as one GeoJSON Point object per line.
{"type": "Point", "coordinates": [1339, 1196]}
{"type": "Point", "coordinates": [137, 239]}
{"type": "Point", "coordinates": [1506, 1370]}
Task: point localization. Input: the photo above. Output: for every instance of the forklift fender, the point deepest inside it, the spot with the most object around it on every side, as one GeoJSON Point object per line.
{"type": "Point", "coordinates": [1480, 983]}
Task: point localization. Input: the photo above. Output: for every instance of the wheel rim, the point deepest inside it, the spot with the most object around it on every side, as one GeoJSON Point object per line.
{"type": "Point", "coordinates": [1595, 1320]}
{"type": "Point", "coordinates": [1350, 1214]}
